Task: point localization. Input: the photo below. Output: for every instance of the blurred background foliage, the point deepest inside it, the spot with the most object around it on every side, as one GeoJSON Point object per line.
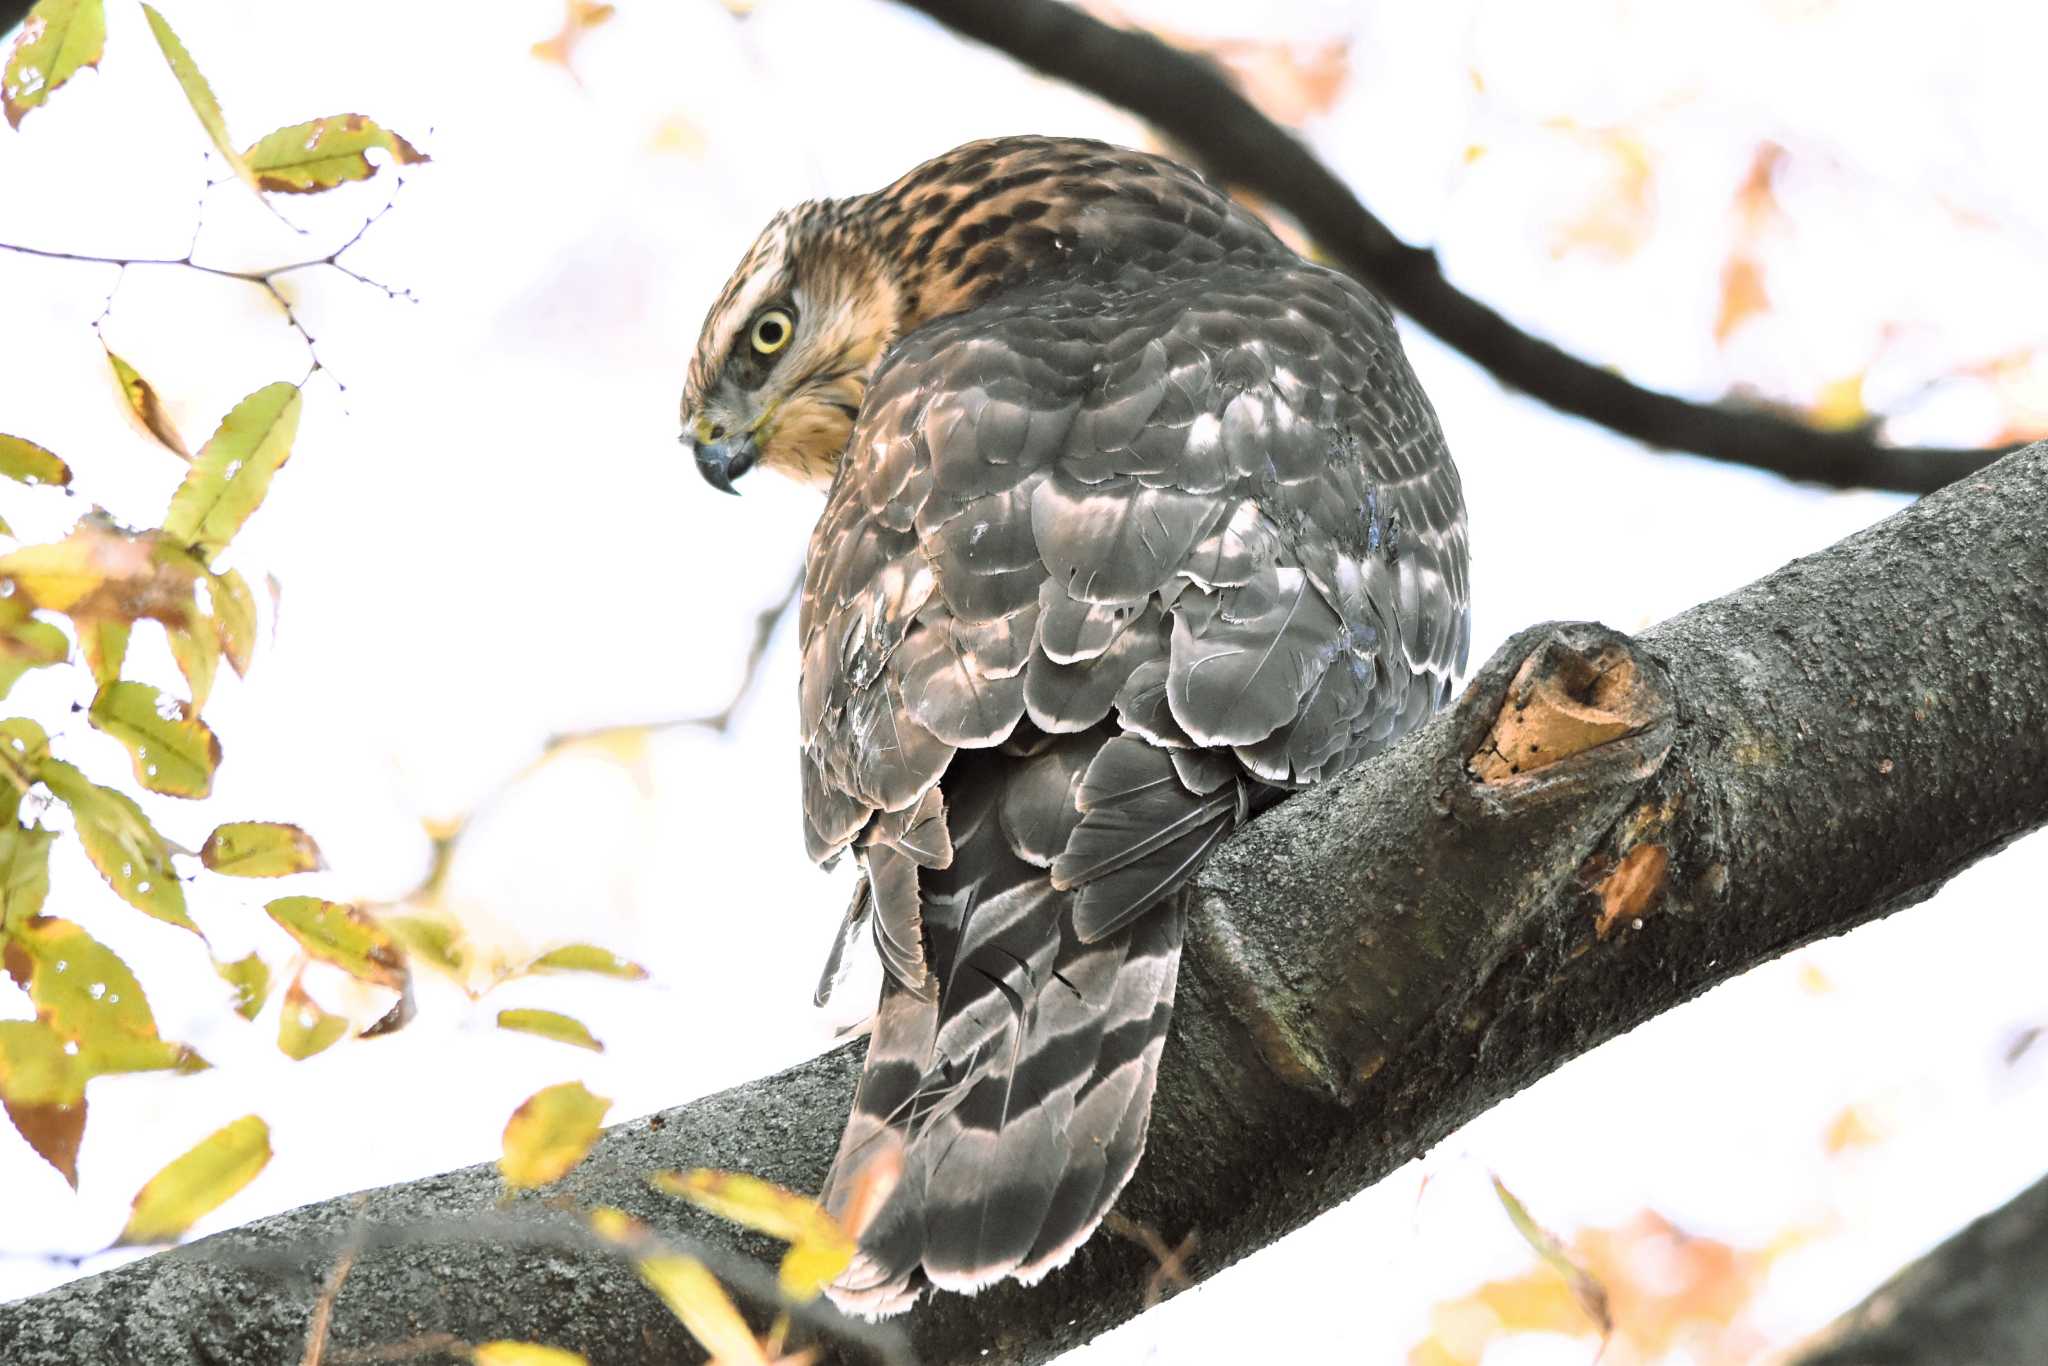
{"type": "Point", "coordinates": [492, 628]}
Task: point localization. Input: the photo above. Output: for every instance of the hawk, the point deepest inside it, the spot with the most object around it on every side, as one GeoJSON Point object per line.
{"type": "Point", "coordinates": [1134, 521]}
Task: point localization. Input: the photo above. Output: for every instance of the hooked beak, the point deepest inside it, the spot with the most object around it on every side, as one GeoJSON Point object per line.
{"type": "Point", "coordinates": [721, 462]}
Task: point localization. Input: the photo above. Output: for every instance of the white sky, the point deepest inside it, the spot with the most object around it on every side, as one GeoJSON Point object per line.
{"type": "Point", "coordinates": [491, 539]}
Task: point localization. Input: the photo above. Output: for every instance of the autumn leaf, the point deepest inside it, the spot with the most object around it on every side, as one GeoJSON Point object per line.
{"type": "Point", "coordinates": [700, 1303]}
{"type": "Point", "coordinates": [43, 1089]}
{"type": "Point", "coordinates": [144, 405]}
{"type": "Point", "coordinates": [233, 469]}
{"type": "Point", "coordinates": [199, 94]}
{"type": "Point", "coordinates": [197, 1183]}
{"type": "Point", "coordinates": [587, 958]}
{"type": "Point", "coordinates": [234, 617]}
{"type": "Point", "coordinates": [83, 991]}
{"type": "Point", "coordinates": [118, 838]}
{"type": "Point", "coordinates": [1854, 1126]}
{"type": "Point", "coordinates": [58, 39]}
{"type": "Point", "coordinates": [27, 463]}
{"type": "Point", "coordinates": [250, 979]}
{"type": "Point", "coordinates": [104, 643]}
{"type": "Point", "coordinates": [309, 157]}
{"type": "Point", "coordinates": [819, 1247]}
{"type": "Point", "coordinates": [550, 1133]}
{"type": "Point", "coordinates": [260, 849]}
{"type": "Point", "coordinates": [26, 643]}
{"type": "Point", "coordinates": [101, 571]}
{"type": "Point", "coordinates": [344, 936]}
{"type": "Point", "coordinates": [549, 1025]}
{"type": "Point", "coordinates": [432, 939]}
{"type": "Point", "coordinates": [174, 752]}
{"type": "Point", "coordinates": [504, 1353]}
{"type": "Point", "coordinates": [303, 1027]}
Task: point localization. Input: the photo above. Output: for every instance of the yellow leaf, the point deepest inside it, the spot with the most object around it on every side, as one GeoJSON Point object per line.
{"type": "Point", "coordinates": [549, 1025]}
{"type": "Point", "coordinates": [1839, 405]}
{"type": "Point", "coordinates": [233, 469]}
{"type": "Point", "coordinates": [199, 94]}
{"type": "Point", "coordinates": [58, 39]}
{"type": "Point", "coordinates": [1853, 1127]}
{"type": "Point", "coordinates": [820, 1248]}
{"type": "Point", "coordinates": [343, 936]}
{"type": "Point", "coordinates": [144, 405]}
{"type": "Point", "coordinates": [196, 1184]}
{"type": "Point", "coordinates": [550, 1133]}
{"type": "Point", "coordinates": [309, 157]}
{"type": "Point", "coordinates": [174, 752]}
{"type": "Point", "coordinates": [83, 991]}
{"type": "Point", "coordinates": [303, 1028]}
{"type": "Point", "coordinates": [42, 1087]}
{"type": "Point", "coordinates": [104, 643]}
{"type": "Point", "coordinates": [24, 873]}
{"type": "Point", "coordinates": [26, 644]}
{"type": "Point", "coordinates": [129, 853]}
{"type": "Point", "coordinates": [250, 978]}
{"type": "Point", "coordinates": [53, 1130]}
{"type": "Point", "coordinates": [260, 849]}
{"type": "Point", "coordinates": [524, 1354]}
{"type": "Point", "coordinates": [234, 616]}
{"type": "Point", "coordinates": [578, 18]}
{"type": "Point", "coordinates": [29, 463]}
{"type": "Point", "coordinates": [587, 958]}
{"type": "Point", "coordinates": [696, 1298]}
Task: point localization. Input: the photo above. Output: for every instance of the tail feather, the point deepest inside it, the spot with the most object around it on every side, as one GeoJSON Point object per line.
{"type": "Point", "coordinates": [1011, 1106]}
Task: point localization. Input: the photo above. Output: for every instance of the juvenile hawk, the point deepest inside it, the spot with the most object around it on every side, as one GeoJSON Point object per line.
{"type": "Point", "coordinates": [1135, 520]}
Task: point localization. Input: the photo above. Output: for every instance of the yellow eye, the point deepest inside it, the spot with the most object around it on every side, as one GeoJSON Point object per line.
{"type": "Point", "coordinates": [772, 331]}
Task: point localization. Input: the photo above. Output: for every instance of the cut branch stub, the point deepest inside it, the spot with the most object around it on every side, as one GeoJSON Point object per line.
{"type": "Point", "coordinates": [1563, 701]}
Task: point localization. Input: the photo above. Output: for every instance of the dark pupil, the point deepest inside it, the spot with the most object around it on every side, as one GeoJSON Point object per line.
{"type": "Point", "coordinates": [770, 333]}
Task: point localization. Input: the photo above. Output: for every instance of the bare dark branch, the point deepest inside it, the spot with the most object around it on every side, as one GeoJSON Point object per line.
{"type": "Point", "coordinates": [1196, 106]}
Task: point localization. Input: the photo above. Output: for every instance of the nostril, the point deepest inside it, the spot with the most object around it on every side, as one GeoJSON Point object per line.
{"type": "Point", "coordinates": [717, 431]}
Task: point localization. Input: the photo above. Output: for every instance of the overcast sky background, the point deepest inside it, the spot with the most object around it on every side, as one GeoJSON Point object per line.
{"type": "Point", "coordinates": [490, 538]}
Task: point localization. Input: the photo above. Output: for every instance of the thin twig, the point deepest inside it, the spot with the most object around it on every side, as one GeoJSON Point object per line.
{"type": "Point", "coordinates": [323, 1308]}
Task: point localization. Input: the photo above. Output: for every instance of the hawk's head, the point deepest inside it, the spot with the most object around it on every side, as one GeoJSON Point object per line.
{"type": "Point", "coordinates": [787, 351]}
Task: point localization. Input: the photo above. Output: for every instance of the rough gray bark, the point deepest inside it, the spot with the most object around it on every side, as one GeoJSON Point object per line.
{"type": "Point", "coordinates": [1600, 829]}
{"type": "Point", "coordinates": [1976, 1300]}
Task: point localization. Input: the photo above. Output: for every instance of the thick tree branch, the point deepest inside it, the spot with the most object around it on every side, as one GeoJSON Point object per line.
{"type": "Point", "coordinates": [1195, 105]}
{"type": "Point", "coordinates": [1975, 1300]}
{"type": "Point", "coordinates": [1601, 829]}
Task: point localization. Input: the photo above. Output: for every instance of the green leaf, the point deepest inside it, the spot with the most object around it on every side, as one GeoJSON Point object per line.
{"type": "Point", "coordinates": [432, 939]}
{"type": "Point", "coordinates": [197, 650]}
{"type": "Point", "coordinates": [309, 157]}
{"type": "Point", "coordinates": [234, 617]}
{"type": "Point", "coordinates": [550, 1133]}
{"type": "Point", "coordinates": [58, 39]}
{"type": "Point", "coordinates": [144, 405]}
{"type": "Point", "coordinates": [199, 93]}
{"type": "Point", "coordinates": [24, 873]}
{"type": "Point", "coordinates": [175, 753]}
{"type": "Point", "coordinates": [550, 1025]}
{"type": "Point", "coordinates": [29, 463]}
{"type": "Point", "coordinates": [23, 748]}
{"type": "Point", "coordinates": [587, 958]}
{"type": "Point", "coordinates": [104, 643]}
{"type": "Point", "coordinates": [250, 978]}
{"type": "Point", "coordinates": [1585, 1287]}
{"type": "Point", "coordinates": [233, 469]}
{"type": "Point", "coordinates": [83, 990]}
{"type": "Point", "coordinates": [260, 849]}
{"type": "Point", "coordinates": [197, 1183]}
{"type": "Point", "coordinates": [303, 1028]}
{"type": "Point", "coordinates": [343, 936]}
{"type": "Point", "coordinates": [129, 853]}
